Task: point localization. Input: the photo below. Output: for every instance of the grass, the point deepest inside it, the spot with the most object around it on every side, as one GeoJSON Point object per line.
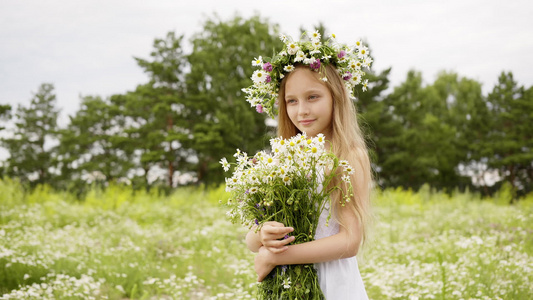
{"type": "Point", "coordinates": [122, 245]}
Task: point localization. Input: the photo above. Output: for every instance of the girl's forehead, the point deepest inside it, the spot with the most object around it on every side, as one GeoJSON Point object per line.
{"type": "Point", "coordinates": [303, 76]}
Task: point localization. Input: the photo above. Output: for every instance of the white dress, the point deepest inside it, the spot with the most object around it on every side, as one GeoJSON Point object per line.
{"type": "Point", "coordinates": [339, 279]}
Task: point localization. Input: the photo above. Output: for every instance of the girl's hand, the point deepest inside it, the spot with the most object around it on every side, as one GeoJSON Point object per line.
{"type": "Point", "coordinates": [274, 236]}
{"type": "Point", "coordinates": [263, 264]}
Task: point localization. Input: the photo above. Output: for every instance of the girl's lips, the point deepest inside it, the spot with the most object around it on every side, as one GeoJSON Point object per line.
{"type": "Point", "coordinates": [306, 122]}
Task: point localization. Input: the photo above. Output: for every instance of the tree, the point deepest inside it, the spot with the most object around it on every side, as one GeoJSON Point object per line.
{"type": "Point", "coordinates": [157, 114]}
{"type": "Point", "coordinates": [91, 144]}
{"type": "Point", "coordinates": [510, 138]}
{"type": "Point", "coordinates": [421, 144]}
{"type": "Point", "coordinates": [35, 127]}
{"type": "Point", "coordinates": [220, 68]}
{"type": "Point", "coordinates": [5, 113]}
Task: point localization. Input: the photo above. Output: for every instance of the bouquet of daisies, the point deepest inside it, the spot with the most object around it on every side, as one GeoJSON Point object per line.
{"type": "Point", "coordinates": [291, 185]}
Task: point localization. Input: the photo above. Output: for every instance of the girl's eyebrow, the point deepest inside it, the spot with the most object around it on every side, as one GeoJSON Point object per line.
{"type": "Point", "coordinates": [310, 91]}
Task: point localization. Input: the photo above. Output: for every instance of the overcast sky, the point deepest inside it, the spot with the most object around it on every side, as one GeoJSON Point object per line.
{"type": "Point", "coordinates": [87, 47]}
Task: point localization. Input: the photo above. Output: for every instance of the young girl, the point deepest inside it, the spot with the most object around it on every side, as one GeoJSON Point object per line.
{"type": "Point", "coordinates": [316, 100]}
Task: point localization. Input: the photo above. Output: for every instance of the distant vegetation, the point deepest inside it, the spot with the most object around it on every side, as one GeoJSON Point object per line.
{"type": "Point", "coordinates": [192, 112]}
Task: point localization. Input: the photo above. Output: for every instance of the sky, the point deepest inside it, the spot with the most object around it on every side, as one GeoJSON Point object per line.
{"type": "Point", "coordinates": [88, 47]}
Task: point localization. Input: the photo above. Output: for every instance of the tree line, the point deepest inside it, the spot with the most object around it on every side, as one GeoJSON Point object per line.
{"type": "Point", "coordinates": [191, 113]}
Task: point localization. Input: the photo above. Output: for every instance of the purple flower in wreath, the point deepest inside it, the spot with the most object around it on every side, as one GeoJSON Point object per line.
{"type": "Point", "coordinates": [259, 108]}
{"type": "Point", "coordinates": [341, 54]}
{"type": "Point", "coordinates": [315, 65]}
{"type": "Point", "coordinates": [347, 76]}
{"type": "Point", "coordinates": [267, 67]}
{"type": "Point", "coordinates": [268, 79]}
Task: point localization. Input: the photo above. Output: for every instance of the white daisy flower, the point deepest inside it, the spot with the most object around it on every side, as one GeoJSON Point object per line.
{"type": "Point", "coordinates": [349, 170]}
{"type": "Point", "coordinates": [320, 138]}
{"type": "Point", "coordinates": [365, 85]}
{"type": "Point", "coordinates": [300, 56]}
{"type": "Point", "coordinates": [367, 61]}
{"type": "Point", "coordinates": [292, 48]}
{"type": "Point", "coordinates": [258, 62]}
{"type": "Point", "coordinates": [225, 164]}
{"type": "Point", "coordinates": [363, 52]}
{"type": "Point", "coordinates": [283, 37]}
{"type": "Point", "coordinates": [315, 35]}
{"type": "Point", "coordinates": [259, 76]}
{"type": "Point", "coordinates": [346, 178]}
{"type": "Point", "coordinates": [289, 68]}
{"type": "Point", "coordinates": [309, 60]}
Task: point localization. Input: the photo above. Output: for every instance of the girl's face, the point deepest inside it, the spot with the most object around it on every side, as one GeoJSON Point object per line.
{"type": "Point", "coordinates": [309, 103]}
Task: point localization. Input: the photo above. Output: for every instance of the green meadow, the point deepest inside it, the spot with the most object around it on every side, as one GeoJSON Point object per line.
{"type": "Point", "coordinates": [119, 244]}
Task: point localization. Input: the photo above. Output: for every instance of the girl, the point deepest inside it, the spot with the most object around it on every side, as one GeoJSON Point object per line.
{"type": "Point", "coordinates": [316, 100]}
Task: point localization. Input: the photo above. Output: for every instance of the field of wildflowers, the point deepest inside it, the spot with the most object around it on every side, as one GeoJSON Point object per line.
{"type": "Point", "coordinates": [120, 245]}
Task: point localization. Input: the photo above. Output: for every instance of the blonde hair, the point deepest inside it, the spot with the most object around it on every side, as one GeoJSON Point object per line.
{"type": "Point", "coordinates": [347, 143]}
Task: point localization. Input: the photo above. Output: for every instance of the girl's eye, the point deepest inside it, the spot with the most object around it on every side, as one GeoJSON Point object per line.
{"type": "Point", "coordinates": [290, 101]}
{"type": "Point", "coordinates": [313, 97]}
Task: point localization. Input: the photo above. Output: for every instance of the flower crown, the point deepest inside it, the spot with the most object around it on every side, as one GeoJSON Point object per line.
{"type": "Point", "coordinates": [310, 51]}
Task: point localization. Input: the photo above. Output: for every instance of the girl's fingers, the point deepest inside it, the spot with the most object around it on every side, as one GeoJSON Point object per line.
{"type": "Point", "coordinates": [277, 230]}
{"type": "Point", "coordinates": [279, 243]}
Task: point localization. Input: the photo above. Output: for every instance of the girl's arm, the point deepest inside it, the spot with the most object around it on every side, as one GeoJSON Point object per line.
{"type": "Point", "coordinates": [341, 245]}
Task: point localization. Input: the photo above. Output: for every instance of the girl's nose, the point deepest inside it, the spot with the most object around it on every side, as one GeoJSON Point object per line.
{"type": "Point", "coordinates": [303, 108]}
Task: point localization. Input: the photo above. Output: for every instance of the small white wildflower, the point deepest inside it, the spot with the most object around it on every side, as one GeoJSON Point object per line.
{"type": "Point", "coordinates": [287, 283]}
{"type": "Point", "coordinates": [346, 178]}
{"type": "Point", "coordinates": [225, 164]}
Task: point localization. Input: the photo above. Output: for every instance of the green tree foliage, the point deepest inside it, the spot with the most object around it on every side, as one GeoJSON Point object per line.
{"type": "Point", "coordinates": [220, 68]}
{"type": "Point", "coordinates": [374, 117]}
{"type": "Point", "coordinates": [5, 113]}
{"type": "Point", "coordinates": [90, 148]}
{"type": "Point", "coordinates": [427, 127]}
{"type": "Point", "coordinates": [510, 138]}
{"type": "Point", "coordinates": [35, 127]}
{"type": "Point", "coordinates": [157, 115]}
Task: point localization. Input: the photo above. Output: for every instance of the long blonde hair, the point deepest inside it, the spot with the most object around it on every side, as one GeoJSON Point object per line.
{"type": "Point", "coordinates": [347, 143]}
